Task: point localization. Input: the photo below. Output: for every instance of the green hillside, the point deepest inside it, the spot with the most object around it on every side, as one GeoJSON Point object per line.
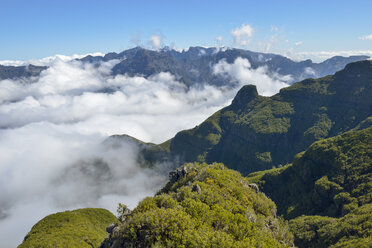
{"type": "Point", "coordinates": [351, 230]}
{"type": "Point", "coordinates": [203, 206]}
{"type": "Point", "coordinates": [327, 191]}
{"type": "Point", "coordinates": [79, 228]}
{"type": "Point", "coordinates": [256, 133]}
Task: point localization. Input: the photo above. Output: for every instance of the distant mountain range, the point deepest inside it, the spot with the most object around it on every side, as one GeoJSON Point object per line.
{"type": "Point", "coordinates": [195, 65]}
{"type": "Point", "coordinates": [12, 72]}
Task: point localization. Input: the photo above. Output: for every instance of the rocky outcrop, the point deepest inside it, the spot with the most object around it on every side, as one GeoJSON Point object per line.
{"type": "Point", "coordinates": [246, 94]}
{"type": "Point", "coordinates": [177, 174]}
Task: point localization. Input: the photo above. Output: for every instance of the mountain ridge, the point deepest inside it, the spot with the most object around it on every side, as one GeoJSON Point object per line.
{"type": "Point", "coordinates": [262, 132]}
{"type": "Point", "coordinates": [194, 66]}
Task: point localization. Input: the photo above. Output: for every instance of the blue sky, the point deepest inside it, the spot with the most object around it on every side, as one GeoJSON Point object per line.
{"type": "Point", "coordinates": [32, 29]}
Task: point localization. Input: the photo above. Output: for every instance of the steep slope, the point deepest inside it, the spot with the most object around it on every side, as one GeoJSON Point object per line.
{"type": "Point", "coordinates": [202, 206]}
{"type": "Point", "coordinates": [256, 133]}
{"type": "Point", "coordinates": [78, 228]}
{"type": "Point", "coordinates": [333, 179]}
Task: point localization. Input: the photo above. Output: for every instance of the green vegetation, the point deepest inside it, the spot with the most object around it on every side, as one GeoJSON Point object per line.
{"type": "Point", "coordinates": [333, 177]}
{"type": "Point", "coordinates": [352, 230]}
{"type": "Point", "coordinates": [256, 133]}
{"type": "Point", "coordinates": [203, 206]}
{"type": "Point", "coordinates": [79, 228]}
{"type": "Point", "coordinates": [327, 191]}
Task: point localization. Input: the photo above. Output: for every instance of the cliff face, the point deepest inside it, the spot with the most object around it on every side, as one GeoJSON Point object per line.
{"type": "Point", "coordinates": [202, 206]}
{"type": "Point", "coordinates": [256, 133]}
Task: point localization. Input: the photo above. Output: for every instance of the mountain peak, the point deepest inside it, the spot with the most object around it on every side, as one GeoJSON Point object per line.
{"type": "Point", "coordinates": [246, 94]}
{"type": "Point", "coordinates": [365, 65]}
{"type": "Point", "coordinates": [357, 69]}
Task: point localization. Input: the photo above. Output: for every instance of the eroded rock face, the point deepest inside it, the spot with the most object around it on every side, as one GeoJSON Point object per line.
{"type": "Point", "coordinates": [177, 174]}
{"type": "Point", "coordinates": [254, 186]}
{"type": "Point", "coordinates": [113, 241]}
{"type": "Point", "coordinates": [111, 227]}
{"type": "Point", "coordinates": [196, 188]}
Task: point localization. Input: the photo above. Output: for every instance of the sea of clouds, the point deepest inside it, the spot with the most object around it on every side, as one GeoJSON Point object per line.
{"type": "Point", "coordinates": [52, 128]}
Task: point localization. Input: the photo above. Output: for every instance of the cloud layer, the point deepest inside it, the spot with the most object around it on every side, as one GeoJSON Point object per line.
{"type": "Point", "coordinates": [320, 56]}
{"type": "Point", "coordinates": [51, 130]}
{"type": "Point", "coordinates": [48, 60]}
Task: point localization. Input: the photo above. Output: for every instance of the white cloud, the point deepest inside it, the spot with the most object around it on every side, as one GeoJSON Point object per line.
{"type": "Point", "coordinates": [48, 60]}
{"type": "Point", "coordinates": [75, 93]}
{"type": "Point", "coordinates": [242, 72]}
{"type": "Point", "coordinates": [45, 168]}
{"type": "Point", "coordinates": [298, 43]}
{"type": "Point", "coordinates": [156, 41]}
{"type": "Point", "coordinates": [310, 71]}
{"type": "Point", "coordinates": [242, 35]}
{"type": "Point", "coordinates": [219, 39]}
{"type": "Point", "coordinates": [367, 37]}
{"type": "Point", "coordinates": [320, 56]}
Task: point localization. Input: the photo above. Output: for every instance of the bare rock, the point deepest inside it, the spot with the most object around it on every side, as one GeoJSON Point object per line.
{"type": "Point", "coordinates": [196, 188]}
{"type": "Point", "coordinates": [177, 174]}
{"type": "Point", "coordinates": [111, 227]}
{"type": "Point", "coordinates": [254, 186]}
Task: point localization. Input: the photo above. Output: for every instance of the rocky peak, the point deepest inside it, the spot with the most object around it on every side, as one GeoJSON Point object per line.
{"type": "Point", "coordinates": [246, 94]}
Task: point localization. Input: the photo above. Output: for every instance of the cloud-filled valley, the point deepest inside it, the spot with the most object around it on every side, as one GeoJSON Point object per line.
{"type": "Point", "coordinates": [52, 128]}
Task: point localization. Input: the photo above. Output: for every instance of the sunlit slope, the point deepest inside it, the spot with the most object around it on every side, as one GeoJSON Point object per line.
{"type": "Point", "coordinates": [256, 133]}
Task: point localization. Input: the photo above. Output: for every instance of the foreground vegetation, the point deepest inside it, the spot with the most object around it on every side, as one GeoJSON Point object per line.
{"type": "Point", "coordinates": [327, 191]}
{"type": "Point", "coordinates": [352, 230]}
{"type": "Point", "coordinates": [203, 206]}
{"type": "Point", "coordinates": [79, 228]}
